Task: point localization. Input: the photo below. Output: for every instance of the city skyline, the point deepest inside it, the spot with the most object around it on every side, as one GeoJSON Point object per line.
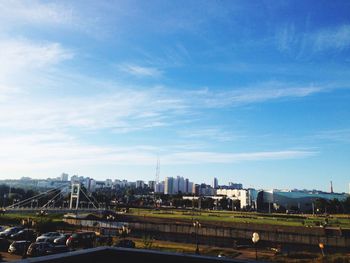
{"type": "Point", "coordinates": [256, 93]}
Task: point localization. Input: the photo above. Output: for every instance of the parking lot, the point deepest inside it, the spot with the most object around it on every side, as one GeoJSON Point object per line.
{"type": "Point", "coordinates": [17, 242]}
{"type": "Point", "coordinates": [10, 257]}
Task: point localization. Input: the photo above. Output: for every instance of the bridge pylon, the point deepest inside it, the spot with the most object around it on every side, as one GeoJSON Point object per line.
{"type": "Point", "coordinates": [74, 196]}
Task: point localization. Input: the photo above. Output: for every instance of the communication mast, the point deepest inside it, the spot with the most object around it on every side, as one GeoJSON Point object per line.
{"type": "Point", "coordinates": [332, 187]}
{"type": "Point", "coordinates": [157, 170]}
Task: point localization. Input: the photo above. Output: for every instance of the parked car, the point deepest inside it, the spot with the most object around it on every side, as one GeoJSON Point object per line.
{"type": "Point", "coordinates": [81, 240]}
{"type": "Point", "coordinates": [58, 249]}
{"type": "Point", "coordinates": [10, 231]}
{"type": "Point", "coordinates": [19, 247]}
{"type": "Point", "coordinates": [25, 234]}
{"type": "Point", "coordinates": [39, 249]}
{"type": "Point", "coordinates": [2, 228]}
{"type": "Point", "coordinates": [61, 240]}
{"type": "Point", "coordinates": [126, 243]}
{"type": "Point", "coordinates": [48, 237]}
{"type": "Point", "coordinates": [4, 244]}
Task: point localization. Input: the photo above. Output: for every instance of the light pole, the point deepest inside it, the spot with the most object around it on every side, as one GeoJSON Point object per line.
{"type": "Point", "coordinates": [255, 240]}
{"type": "Point", "coordinates": [110, 219]}
{"type": "Point", "coordinates": [196, 226]}
{"type": "Point", "coordinates": [26, 224]}
{"type": "Point", "coordinates": [41, 214]}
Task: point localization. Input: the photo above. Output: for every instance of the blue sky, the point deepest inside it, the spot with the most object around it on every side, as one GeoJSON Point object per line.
{"type": "Point", "coordinates": [255, 92]}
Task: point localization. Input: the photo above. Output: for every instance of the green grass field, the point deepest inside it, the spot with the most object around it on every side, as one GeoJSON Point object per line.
{"type": "Point", "coordinates": [244, 217]}
{"type": "Point", "coordinates": [17, 218]}
{"type": "Point", "coordinates": [208, 216]}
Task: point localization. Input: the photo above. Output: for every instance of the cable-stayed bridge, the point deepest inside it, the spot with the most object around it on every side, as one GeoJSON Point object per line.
{"type": "Point", "coordinates": [53, 201]}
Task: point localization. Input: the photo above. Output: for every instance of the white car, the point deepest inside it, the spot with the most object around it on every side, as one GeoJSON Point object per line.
{"type": "Point", "coordinates": [48, 237]}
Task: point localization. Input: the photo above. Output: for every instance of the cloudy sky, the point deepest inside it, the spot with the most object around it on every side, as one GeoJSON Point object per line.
{"type": "Point", "coordinates": [255, 92]}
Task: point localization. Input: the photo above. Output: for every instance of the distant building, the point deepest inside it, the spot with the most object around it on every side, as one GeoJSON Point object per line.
{"type": "Point", "coordinates": [75, 179]}
{"type": "Point", "coordinates": [178, 185]}
{"type": "Point", "coordinates": [235, 185]}
{"type": "Point", "coordinates": [152, 185]}
{"type": "Point", "coordinates": [159, 187]}
{"type": "Point", "coordinates": [215, 183]}
{"type": "Point", "coordinates": [206, 190]}
{"type": "Point", "coordinates": [169, 186]}
{"type": "Point", "coordinates": [140, 184]}
{"type": "Point", "coordinates": [301, 200]}
{"type": "Point", "coordinates": [231, 186]}
{"type": "Point", "coordinates": [247, 197]}
{"type": "Point", "coordinates": [64, 177]}
{"type": "Point", "coordinates": [108, 183]}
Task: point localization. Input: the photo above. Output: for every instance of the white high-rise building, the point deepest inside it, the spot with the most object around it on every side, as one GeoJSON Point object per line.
{"type": "Point", "coordinates": [215, 184]}
{"type": "Point", "coordinates": [159, 187]}
{"type": "Point", "coordinates": [169, 186]}
{"type": "Point", "coordinates": [181, 185]}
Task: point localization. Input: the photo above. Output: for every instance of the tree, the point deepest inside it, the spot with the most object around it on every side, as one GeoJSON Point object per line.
{"type": "Point", "coordinates": [236, 204]}
{"type": "Point", "coordinates": [346, 205]}
{"type": "Point", "coordinates": [224, 203]}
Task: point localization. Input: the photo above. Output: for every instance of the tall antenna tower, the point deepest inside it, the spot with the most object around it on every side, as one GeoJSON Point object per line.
{"type": "Point", "coordinates": [157, 170]}
{"type": "Point", "coordinates": [331, 187]}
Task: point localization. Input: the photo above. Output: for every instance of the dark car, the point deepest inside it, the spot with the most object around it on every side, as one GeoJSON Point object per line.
{"type": "Point", "coordinates": [19, 247]}
{"type": "Point", "coordinates": [58, 249]}
{"type": "Point", "coordinates": [61, 240]}
{"type": "Point", "coordinates": [126, 243]}
{"type": "Point", "coordinates": [81, 240]}
{"type": "Point", "coordinates": [39, 249]}
{"type": "Point", "coordinates": [25, 234]}
{"type": "Point", "coordinates": [4, 244]}
{"type": "Point", "coordinates": [10, 231]}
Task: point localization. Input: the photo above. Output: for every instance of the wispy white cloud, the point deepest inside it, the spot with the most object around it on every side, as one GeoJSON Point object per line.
{"type": "Point", "coordinates": [56, 150]}
{"type": "Point", "coordinates": [23, 13]}
{"type": "Point", "coordinates": [340, 135]}
{"type": "Point", "coordinates": [126, 109]}
{"type": "Point", "coordinates": [24, 55]}
{"type": "Point", "coordinates": [290, 40]}
{"type": "Point", "coordinates": [22, 61]}
{"type": "Point", "coordinates": [140, 71]}
{"type": "Point", "coordinates": [215, 157]}
{"type": "Point", "coordinates": [256, 94]}
{"type": "Point", "coordinates": [332, 38]}
{"type": "Point", "coordinates": [43, 151]}
{"type": "Point", "coordinates": [212, 133]}
{"type": "Point", "coordinates": [122, 111]}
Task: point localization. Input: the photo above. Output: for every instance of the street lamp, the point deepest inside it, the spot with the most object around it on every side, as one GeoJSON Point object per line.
{"type": "Point", "coordinates": [196, 226]}
{"type": "Point", "coordinates": [41, 214]}
{"type": "Point", "coordinates": [110, 219]}
{"type": "Point", "coordinates": [26, 224]}
{"type": "Point", "coordinates": [255, 240]}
